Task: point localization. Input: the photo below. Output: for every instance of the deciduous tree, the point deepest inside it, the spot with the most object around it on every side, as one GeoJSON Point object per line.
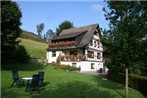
{"type": "Point", "coordinates": [40, 28]}
{"type": "Point", "coordinates": [128, 28]}
{"type": "Point", "coordinates": [64, 25]}
{"type": "Point", "coordinates": [10, 30]}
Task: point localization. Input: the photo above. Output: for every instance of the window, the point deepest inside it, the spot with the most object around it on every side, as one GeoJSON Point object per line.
{"type": "Point", "coordinates": [90, 54]}
{"type": "Point", "coordinates": [94, 43]}
{"type": "Point", "coordinates": [53, 53]}
{"type": "Point", "coordinates": [91, 42]}
{"type": "Point", "coordinates": [92, 65]}
{"type": "Point", "coordinates": [74, 64]}
{"type": "Point", "coordinates": [98, 43]}
{"type": "Point", "coordinates": [98, 55]}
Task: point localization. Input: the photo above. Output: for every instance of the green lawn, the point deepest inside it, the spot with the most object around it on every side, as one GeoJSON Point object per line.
{"type": "Point", "coordinates": [35, 49]}
{"type": "Point", "coordinates": [62, 84]}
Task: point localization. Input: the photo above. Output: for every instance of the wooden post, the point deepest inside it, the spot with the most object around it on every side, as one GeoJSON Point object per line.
{"type": "Point", "coordinates": [126, 84]}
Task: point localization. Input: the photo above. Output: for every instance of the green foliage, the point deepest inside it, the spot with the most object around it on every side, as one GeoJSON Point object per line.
{"type": "Point", "coordinates": [64, 25]}
{"type": "Point", "coordinates": [10, 30]}
{"type": "Point", "coordinates": [49, 35]}
{"type": "Point", "coordinates": [31, 36]}
{"type": "Point", "coordinates": [19, 55]}
{"type": "Point", "coordinates": [138, 82]}
{"type": "Point", "coordinates": [10, 20]}
{"type": "Point", "coordinates": [125, 39]}
{"type": "Point", "coordinates": [40, 28]}
{"type": "Point", "coordinates": [65, 67]}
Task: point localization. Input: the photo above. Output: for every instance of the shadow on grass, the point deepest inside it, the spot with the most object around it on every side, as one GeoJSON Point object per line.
{"type": "Point", "coordinates": [45, 84]}
{"type": "Point", "coordinates": [109, 84]}
{"type": "Point", "coordinates": [23, 67]}
{"type": "Point", "coordinates": [8, 94]}
{"type": "Point", "coordinates": [74, 90]}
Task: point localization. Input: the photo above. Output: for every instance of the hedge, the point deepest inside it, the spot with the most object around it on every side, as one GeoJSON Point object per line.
{"type": "Point", "coordinates": [135, 81]}
{"type": "Point", "coordinates": [138, 82]}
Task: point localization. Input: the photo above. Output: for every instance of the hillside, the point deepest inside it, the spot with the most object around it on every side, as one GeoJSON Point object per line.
{"type": "Point", "coordinates": [29, 35]}
{"type": "Point", "coordinates": [34, 48]}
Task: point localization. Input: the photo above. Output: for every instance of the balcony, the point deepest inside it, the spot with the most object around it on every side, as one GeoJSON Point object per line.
{"type": "Point", "coordinates": [71, 58]}
{"type": "Point", "coordinates": [62, 44]}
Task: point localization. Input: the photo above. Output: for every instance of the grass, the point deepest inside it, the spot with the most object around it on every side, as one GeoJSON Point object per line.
{"type": "Point", "coordinates": [62, 84]}
{"type": "Point", "coordinates": [34, 49]}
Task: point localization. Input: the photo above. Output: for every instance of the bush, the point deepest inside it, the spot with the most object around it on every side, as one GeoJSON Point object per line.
{"type": "Point", "coordinates": [65, 67]}
{"type": "Point", "coordinates": [72, 68]}
{"type": "Point", "coordinates": [17, 54]}
{"type": "Point", "coordinates": [138, 82]}
{"type": "Point", "coordinates": [135, 81]}
{"type": "Point", "coordinates": [21, 54]}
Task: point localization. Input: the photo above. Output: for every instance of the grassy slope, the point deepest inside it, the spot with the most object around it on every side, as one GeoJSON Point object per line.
{"type": "Point", "coordinates": [35, 49]}
{"type": "Point", "coordinates": [63, 84]}
{"type": "Point", "coordinates": [30, 35]}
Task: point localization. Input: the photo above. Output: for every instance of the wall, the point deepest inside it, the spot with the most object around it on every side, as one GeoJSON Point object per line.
{"type": "Point", "coordinates": [52, 59]}
{"type": "Point", "coordinates": [85, 65]}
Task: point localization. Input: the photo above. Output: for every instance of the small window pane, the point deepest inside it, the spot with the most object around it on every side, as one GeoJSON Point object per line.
{"type": "Point", "coordinates": [53, 53]}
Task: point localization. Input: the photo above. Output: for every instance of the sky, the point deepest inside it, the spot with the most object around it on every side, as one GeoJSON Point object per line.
{"type": "Point", "coordinates": [52, 13]}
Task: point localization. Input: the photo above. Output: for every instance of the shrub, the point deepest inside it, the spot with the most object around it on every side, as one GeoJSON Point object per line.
{"type": "Point", "coordinates": [65, 67]}
{"type": "Point", "coordinates": [138, 82]}
{"type": "Point", "coordinates": [72, 68]}
{"type": "Point", "coordinates": [16, 55]}
{"type": "Point", "coordinates": [21, 55]}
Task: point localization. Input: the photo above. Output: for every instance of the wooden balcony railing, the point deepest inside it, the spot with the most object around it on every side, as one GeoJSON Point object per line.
{"type": "Point", "coordinates": [62, 44]}
{"type": "Point", "coordinates": [72, 58]}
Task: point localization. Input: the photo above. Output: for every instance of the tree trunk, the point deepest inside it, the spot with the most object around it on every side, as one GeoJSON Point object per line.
{"type": "Point", "coordinates": [126, 84]}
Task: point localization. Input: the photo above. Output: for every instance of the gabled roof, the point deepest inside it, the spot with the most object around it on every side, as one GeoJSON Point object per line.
{"type": "Point", "coordinates": [87, 32]}
{"type": "Point", "coordinates": [68, 35]}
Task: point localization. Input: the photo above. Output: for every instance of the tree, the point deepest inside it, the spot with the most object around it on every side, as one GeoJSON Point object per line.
{"type": "Point", "coordinates": [40, 28]}
{"type": "Point", "coordinates": [49, 35]}
{"type": "Point", "coordinates": [64, 25]}
{"type": "Point", "coordinates": [10, 30]}
{"type": "Point", "coordinates": [128, 26]}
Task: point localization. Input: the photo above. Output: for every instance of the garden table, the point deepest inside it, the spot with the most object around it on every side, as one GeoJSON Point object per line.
{"type": "Point", "coordinates": [28, 81]}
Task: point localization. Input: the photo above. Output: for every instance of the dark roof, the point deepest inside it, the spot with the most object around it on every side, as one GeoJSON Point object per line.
{"type": "Point", "coordinates": [68, 35]}
{"type": "Point", "coordinates": [87, 32]}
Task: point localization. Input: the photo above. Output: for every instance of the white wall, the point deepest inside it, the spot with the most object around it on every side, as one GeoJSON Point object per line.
{"type": "Point", "coordinates": [53, 59]}
{"type": "Point", "coordinates": [85, 65]}
{"type": "Point", "coordinates": [70, 63]}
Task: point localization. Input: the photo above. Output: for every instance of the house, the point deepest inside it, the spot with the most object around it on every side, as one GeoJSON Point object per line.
{"type": "Point", "coordinates": [79, 47]}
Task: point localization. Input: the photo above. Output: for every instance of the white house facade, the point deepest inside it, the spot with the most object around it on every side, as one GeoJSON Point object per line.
{"type": "Point", "coordinates": [78, 47]}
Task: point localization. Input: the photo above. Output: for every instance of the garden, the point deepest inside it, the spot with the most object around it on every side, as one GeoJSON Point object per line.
{"type": "Point", "coordinates": [59, 83]}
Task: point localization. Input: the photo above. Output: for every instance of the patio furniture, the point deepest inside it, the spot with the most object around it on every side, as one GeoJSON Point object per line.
{"type": "Point", "coordinates": [35, 84]}
{"type": "Point", "coordinates": [41, 77]}
{"type": "Point", "coordinates": [16, 79]}
{"type": "Point", "coordinates": [28, 82]}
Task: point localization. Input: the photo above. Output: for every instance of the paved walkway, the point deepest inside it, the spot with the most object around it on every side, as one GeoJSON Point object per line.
{"type": "Point", "coordinates": [102, 75]}
{"type": "Point", "coordinates": [90, 72]}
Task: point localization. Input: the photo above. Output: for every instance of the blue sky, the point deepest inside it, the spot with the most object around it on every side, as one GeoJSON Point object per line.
{"type": "Point", "coordinates": [52, 13]}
